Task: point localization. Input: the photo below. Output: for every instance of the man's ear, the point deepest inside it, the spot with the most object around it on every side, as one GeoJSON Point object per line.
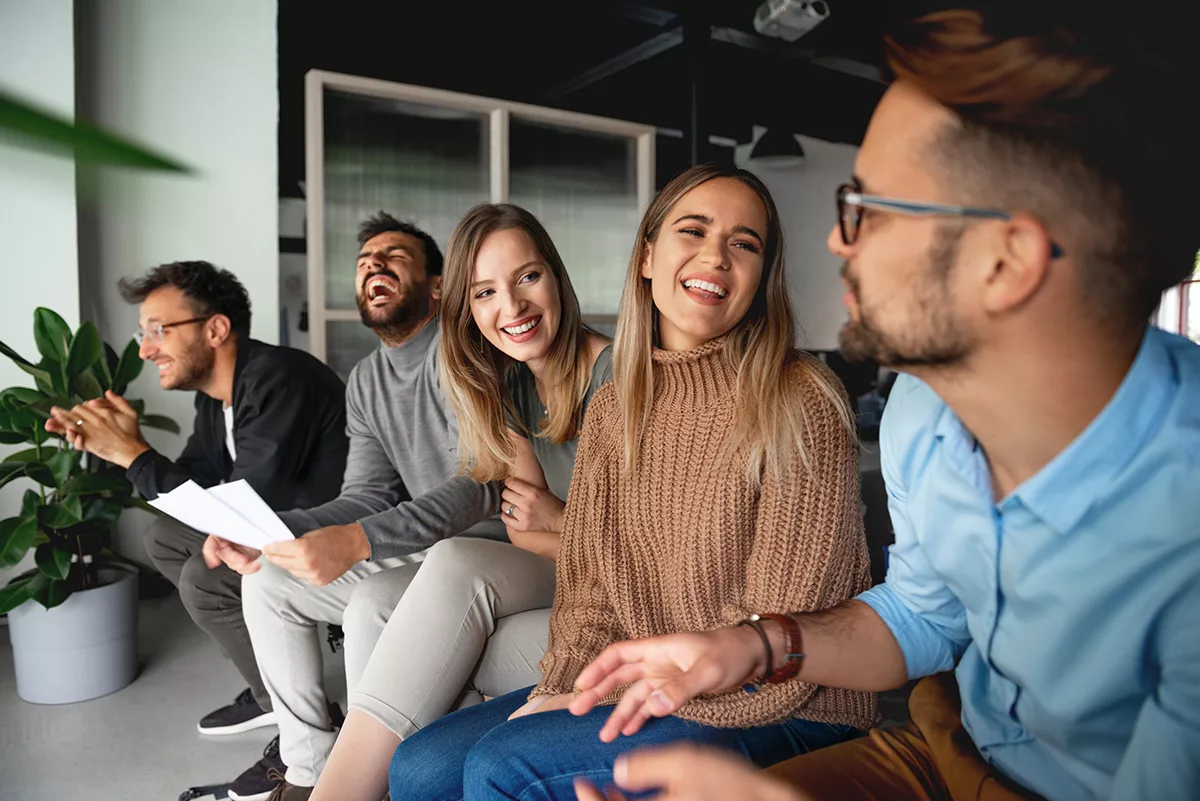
{"type": "Point", "coordinates": [1024, 253]}
{"type": "Point", "coordinates": [217, 330]}
{"type": "Point", "coordinates": [435, 288]}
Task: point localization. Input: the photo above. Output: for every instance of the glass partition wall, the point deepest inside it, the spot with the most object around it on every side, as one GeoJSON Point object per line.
{"type": "Point", "coordinates": [427, 156]}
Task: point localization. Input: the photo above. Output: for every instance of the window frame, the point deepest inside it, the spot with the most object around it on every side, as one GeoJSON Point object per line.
{"type": "Point", "coordinates": [316, 82]}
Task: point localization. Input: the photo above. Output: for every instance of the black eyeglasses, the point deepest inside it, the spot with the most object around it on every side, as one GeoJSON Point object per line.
{"type": "Point", "coordinates": [155, 332]}
{"type": "Point", "coordinates": [852, 203]}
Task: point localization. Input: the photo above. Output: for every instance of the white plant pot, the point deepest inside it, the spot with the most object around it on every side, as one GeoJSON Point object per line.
{"type": "Point", "coordinates": [81, 649]}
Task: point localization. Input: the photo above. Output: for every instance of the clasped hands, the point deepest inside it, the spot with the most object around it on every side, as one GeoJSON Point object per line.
{"type": "Point", "coordinates": [106, 427]}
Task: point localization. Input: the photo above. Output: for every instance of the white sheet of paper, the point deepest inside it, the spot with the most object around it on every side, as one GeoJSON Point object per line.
{"type": "Point", "coordinates": [192, 505]}
{"type": "Point", "coordinates": [241, 497]}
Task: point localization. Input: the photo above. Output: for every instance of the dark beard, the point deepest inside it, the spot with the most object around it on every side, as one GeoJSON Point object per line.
{"type": "Point", "coordinates": [401, 319]}
{"type": "Point", "coordinates": [934, 336]}
{"type": "Point", "coordinates": [196, 373]}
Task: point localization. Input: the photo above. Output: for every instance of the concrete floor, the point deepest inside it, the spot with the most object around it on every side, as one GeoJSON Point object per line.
{"type": "Point", "coordinates": [141, 743]}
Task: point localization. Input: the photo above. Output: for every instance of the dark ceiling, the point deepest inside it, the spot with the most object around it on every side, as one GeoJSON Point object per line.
{"type": "Point", "coordinates": [708, 73]}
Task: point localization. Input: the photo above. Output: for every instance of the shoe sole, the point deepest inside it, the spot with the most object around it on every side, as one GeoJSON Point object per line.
{"type": "Point", "coordinates": [262, 721]}
{"type": "Point", "coordinates": [256, 797]}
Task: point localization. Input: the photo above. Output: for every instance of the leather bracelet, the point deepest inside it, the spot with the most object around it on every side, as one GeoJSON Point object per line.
{"type": "Point", "coordinates": [792, 647]}
{"type": "Point", "coordinates": [752, 686]}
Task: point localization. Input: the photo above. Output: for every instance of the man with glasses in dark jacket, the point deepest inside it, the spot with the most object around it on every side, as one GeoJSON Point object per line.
{"type": "Point", "coordinates": [273, 416]}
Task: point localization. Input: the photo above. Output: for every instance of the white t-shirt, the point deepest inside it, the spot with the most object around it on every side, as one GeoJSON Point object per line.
{"type": "Point", "coordinates": [229, 433]}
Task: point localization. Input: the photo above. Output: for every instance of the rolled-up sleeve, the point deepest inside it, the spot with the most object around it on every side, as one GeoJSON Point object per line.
{"type": "Point", "coordinates": [924, 615]}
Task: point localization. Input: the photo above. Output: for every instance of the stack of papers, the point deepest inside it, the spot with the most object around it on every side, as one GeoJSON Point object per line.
{"type": "Point", "coordinates": [231, 511]}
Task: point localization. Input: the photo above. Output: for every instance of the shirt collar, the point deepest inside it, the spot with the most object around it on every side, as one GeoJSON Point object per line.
{"type": "Point", "coordinates": [1063, 491]}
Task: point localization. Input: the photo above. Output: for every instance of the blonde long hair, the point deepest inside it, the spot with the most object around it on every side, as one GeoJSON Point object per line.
{"type": "Point", "coordinates": [760, 347]}
{"type": "Point", "coordinates": [473, 372]}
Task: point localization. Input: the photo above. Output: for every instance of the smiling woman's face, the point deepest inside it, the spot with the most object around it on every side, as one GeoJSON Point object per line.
{"type": "Point", "coordinates": [707, 262]}
{"type": "Point", "coordinates": [514, 296]}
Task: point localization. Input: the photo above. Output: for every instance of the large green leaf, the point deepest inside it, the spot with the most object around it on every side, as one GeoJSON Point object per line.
{"type": "Point", "coordinates": [90, 483]}
{"type": "Point", "coordinates": [56, 516]}
{"type": "Point", "coordinates": [16, 538]}
{"type": "Point", "coordinates": [57, 373]}
{"type": "Point", "coordinates": [49, 132]}
{"type": "Point", "coordinates": [11, 437]}
{"type": "Point", "coordinates": [29, 505]}
{"type": "Point", "coordinates": [53, 561]}
{"type": "Point", "coordinates": [129, 366]}
{"type": "Point", "coordinates": [9, 471]}
{"type": "Point", "coordinates": [102, 512]}
{"type": "Point", "coordinates": [53, 593]}
{"type": "Point", "coordinates": [20, 590]}
{"type": "Point", "coordinates": [86, 349]}
{"type": "Point", "coordinates": [30, 455]}
{"type": "Point", "coordinates": [52, 335]}
{"type": "Point", "coordinates": [61, 464]}
{"type": "Point", "coordinates": [87, 386]}
{"type": "Point", "coordinates": [24, 395]}
{"type": "Point", "coordinates": [107, 366]}
{"type": "Point", "coordinates": [161, 422]}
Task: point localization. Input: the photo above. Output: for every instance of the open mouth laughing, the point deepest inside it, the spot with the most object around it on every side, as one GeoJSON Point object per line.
{"type": "Point", "coordinates": [380, 289]}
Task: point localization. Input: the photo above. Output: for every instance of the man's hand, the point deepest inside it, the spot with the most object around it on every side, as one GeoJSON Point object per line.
{"type": "Point", "coordinates": [666, 673]}
{"type": "Point", "coordinates": [106, 427]}
{"type": "Point", "coordinates": [323, 555]}
{"type": "Point", "coordinates": [239, 558]}
{"type": "Point", "coordinates": [532, 508]}
{"type": "Point", "coordinates": [688, 773]}
{"type": "Point", "coordinates": [543, 703]}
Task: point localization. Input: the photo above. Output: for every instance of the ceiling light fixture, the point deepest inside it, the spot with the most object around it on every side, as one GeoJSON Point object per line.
{"type": "Point", "coordinates": [777, 147]}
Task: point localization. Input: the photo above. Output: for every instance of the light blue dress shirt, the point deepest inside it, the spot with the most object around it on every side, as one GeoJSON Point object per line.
{"type": "Point", "coordinates": [1072, 606]}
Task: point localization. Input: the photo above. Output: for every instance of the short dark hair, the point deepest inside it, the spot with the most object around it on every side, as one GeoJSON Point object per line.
{"type": "Point", "coordinates": [211, 290]}
{"type": "Point", "coordinates": [383, 222]}
{"type": "Point", "coordinates": [1092, 131]}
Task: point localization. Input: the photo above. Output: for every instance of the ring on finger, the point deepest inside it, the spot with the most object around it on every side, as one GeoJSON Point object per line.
{"type": "Point", "coordinates": [78, 422]}
{"type": "Point", "coordinates": [511, 510]}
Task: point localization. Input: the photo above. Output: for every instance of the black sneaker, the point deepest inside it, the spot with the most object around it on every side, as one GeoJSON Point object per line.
{"type": "Point", "coordinates": [257, 783]}
{"type": "Point", "coordinates": [242, 715]}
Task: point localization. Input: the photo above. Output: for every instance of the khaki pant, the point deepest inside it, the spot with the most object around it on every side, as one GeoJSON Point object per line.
{"type": "Point", "coordinates": [930, 759]}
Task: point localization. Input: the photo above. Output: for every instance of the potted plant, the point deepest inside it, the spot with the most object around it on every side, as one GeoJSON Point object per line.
{"type": "Point", "coordinates": [73, 617]}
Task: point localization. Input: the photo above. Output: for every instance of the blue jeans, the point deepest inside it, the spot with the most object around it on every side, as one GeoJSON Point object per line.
{"type": "Point", "coordinates": [477, 753]}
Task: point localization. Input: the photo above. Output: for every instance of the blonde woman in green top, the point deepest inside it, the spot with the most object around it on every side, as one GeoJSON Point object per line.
{"type": "Point", "coordinates": [519, 367]}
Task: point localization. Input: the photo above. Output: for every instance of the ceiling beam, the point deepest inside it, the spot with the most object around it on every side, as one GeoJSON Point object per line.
{"type": "Point", "coordinates": [635, 55]}
{"type": "Point", "coordinates": [641, 13]}
{"type": "Point", "coordinates": [847, 66]}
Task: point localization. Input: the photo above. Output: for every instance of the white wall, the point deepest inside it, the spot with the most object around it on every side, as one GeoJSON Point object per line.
{"type": "Point", "coordinates": [196, 81]}
{"type": "Point", "coordinates": [37, 195]}
{"type": "Point", "coordinates": [805, 197]}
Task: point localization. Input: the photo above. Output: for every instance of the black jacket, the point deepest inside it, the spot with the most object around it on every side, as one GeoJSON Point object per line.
{"type": "Point", "coordinates": [289, 428]}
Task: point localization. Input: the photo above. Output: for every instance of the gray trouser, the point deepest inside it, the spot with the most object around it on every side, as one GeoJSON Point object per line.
{"type": "Point", "coordinates": [212, 597]}
{"type": "Point", "coordinates": [282, 613]}
{"type": "Point", "coordinates": [473, 623]}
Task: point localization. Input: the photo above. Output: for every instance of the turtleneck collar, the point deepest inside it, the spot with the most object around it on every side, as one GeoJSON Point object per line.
{"type": "Point", "coordinates": [412, 352]}
{"type": "Point", "coordinates": [699, 377]}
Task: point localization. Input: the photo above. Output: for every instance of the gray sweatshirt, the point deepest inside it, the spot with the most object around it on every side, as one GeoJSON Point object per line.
{"type": "Point", "coordinates": [402, 479]}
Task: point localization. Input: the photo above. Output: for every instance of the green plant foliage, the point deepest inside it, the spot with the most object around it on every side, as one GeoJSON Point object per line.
{"type": "Point", "coordinates": [41, 130]}
{"type": "Point", "coordinates": [75, 503]}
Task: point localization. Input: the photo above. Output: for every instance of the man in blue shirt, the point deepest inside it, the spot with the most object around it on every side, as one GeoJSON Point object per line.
{"type": "Point", "coordinates": [1021, 200]}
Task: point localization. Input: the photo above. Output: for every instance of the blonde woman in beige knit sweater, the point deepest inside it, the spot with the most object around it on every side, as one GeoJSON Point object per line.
{"type": "Point", "coordinates": [716, 479]}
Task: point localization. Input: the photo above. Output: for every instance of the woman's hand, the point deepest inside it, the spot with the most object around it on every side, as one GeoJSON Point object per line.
{"type": "Point", "coordinates": [528, 507]}
{"type": "Point", "coordinates": [543, 703]}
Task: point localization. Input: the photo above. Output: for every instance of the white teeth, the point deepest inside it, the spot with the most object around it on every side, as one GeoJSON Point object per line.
{"type": "Point", "coordinates": [696, 283]}
{"type": "Point", "coordinates": [521, 329]}
{"type": "Point", "coordinates": [377, 283]}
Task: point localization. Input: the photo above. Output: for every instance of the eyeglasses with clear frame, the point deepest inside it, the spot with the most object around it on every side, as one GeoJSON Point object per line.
{"type": "Point", "coordinates": [155, 332]}
{"type": "Point", "coordinates": [852, 203]}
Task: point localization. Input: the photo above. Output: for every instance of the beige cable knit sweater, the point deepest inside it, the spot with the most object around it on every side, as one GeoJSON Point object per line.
{"type": "Point", "coordinates": [688, 543]}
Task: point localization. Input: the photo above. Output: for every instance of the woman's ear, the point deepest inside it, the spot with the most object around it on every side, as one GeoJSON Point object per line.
{"type": "Point", "coordinates": [647, 256]}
